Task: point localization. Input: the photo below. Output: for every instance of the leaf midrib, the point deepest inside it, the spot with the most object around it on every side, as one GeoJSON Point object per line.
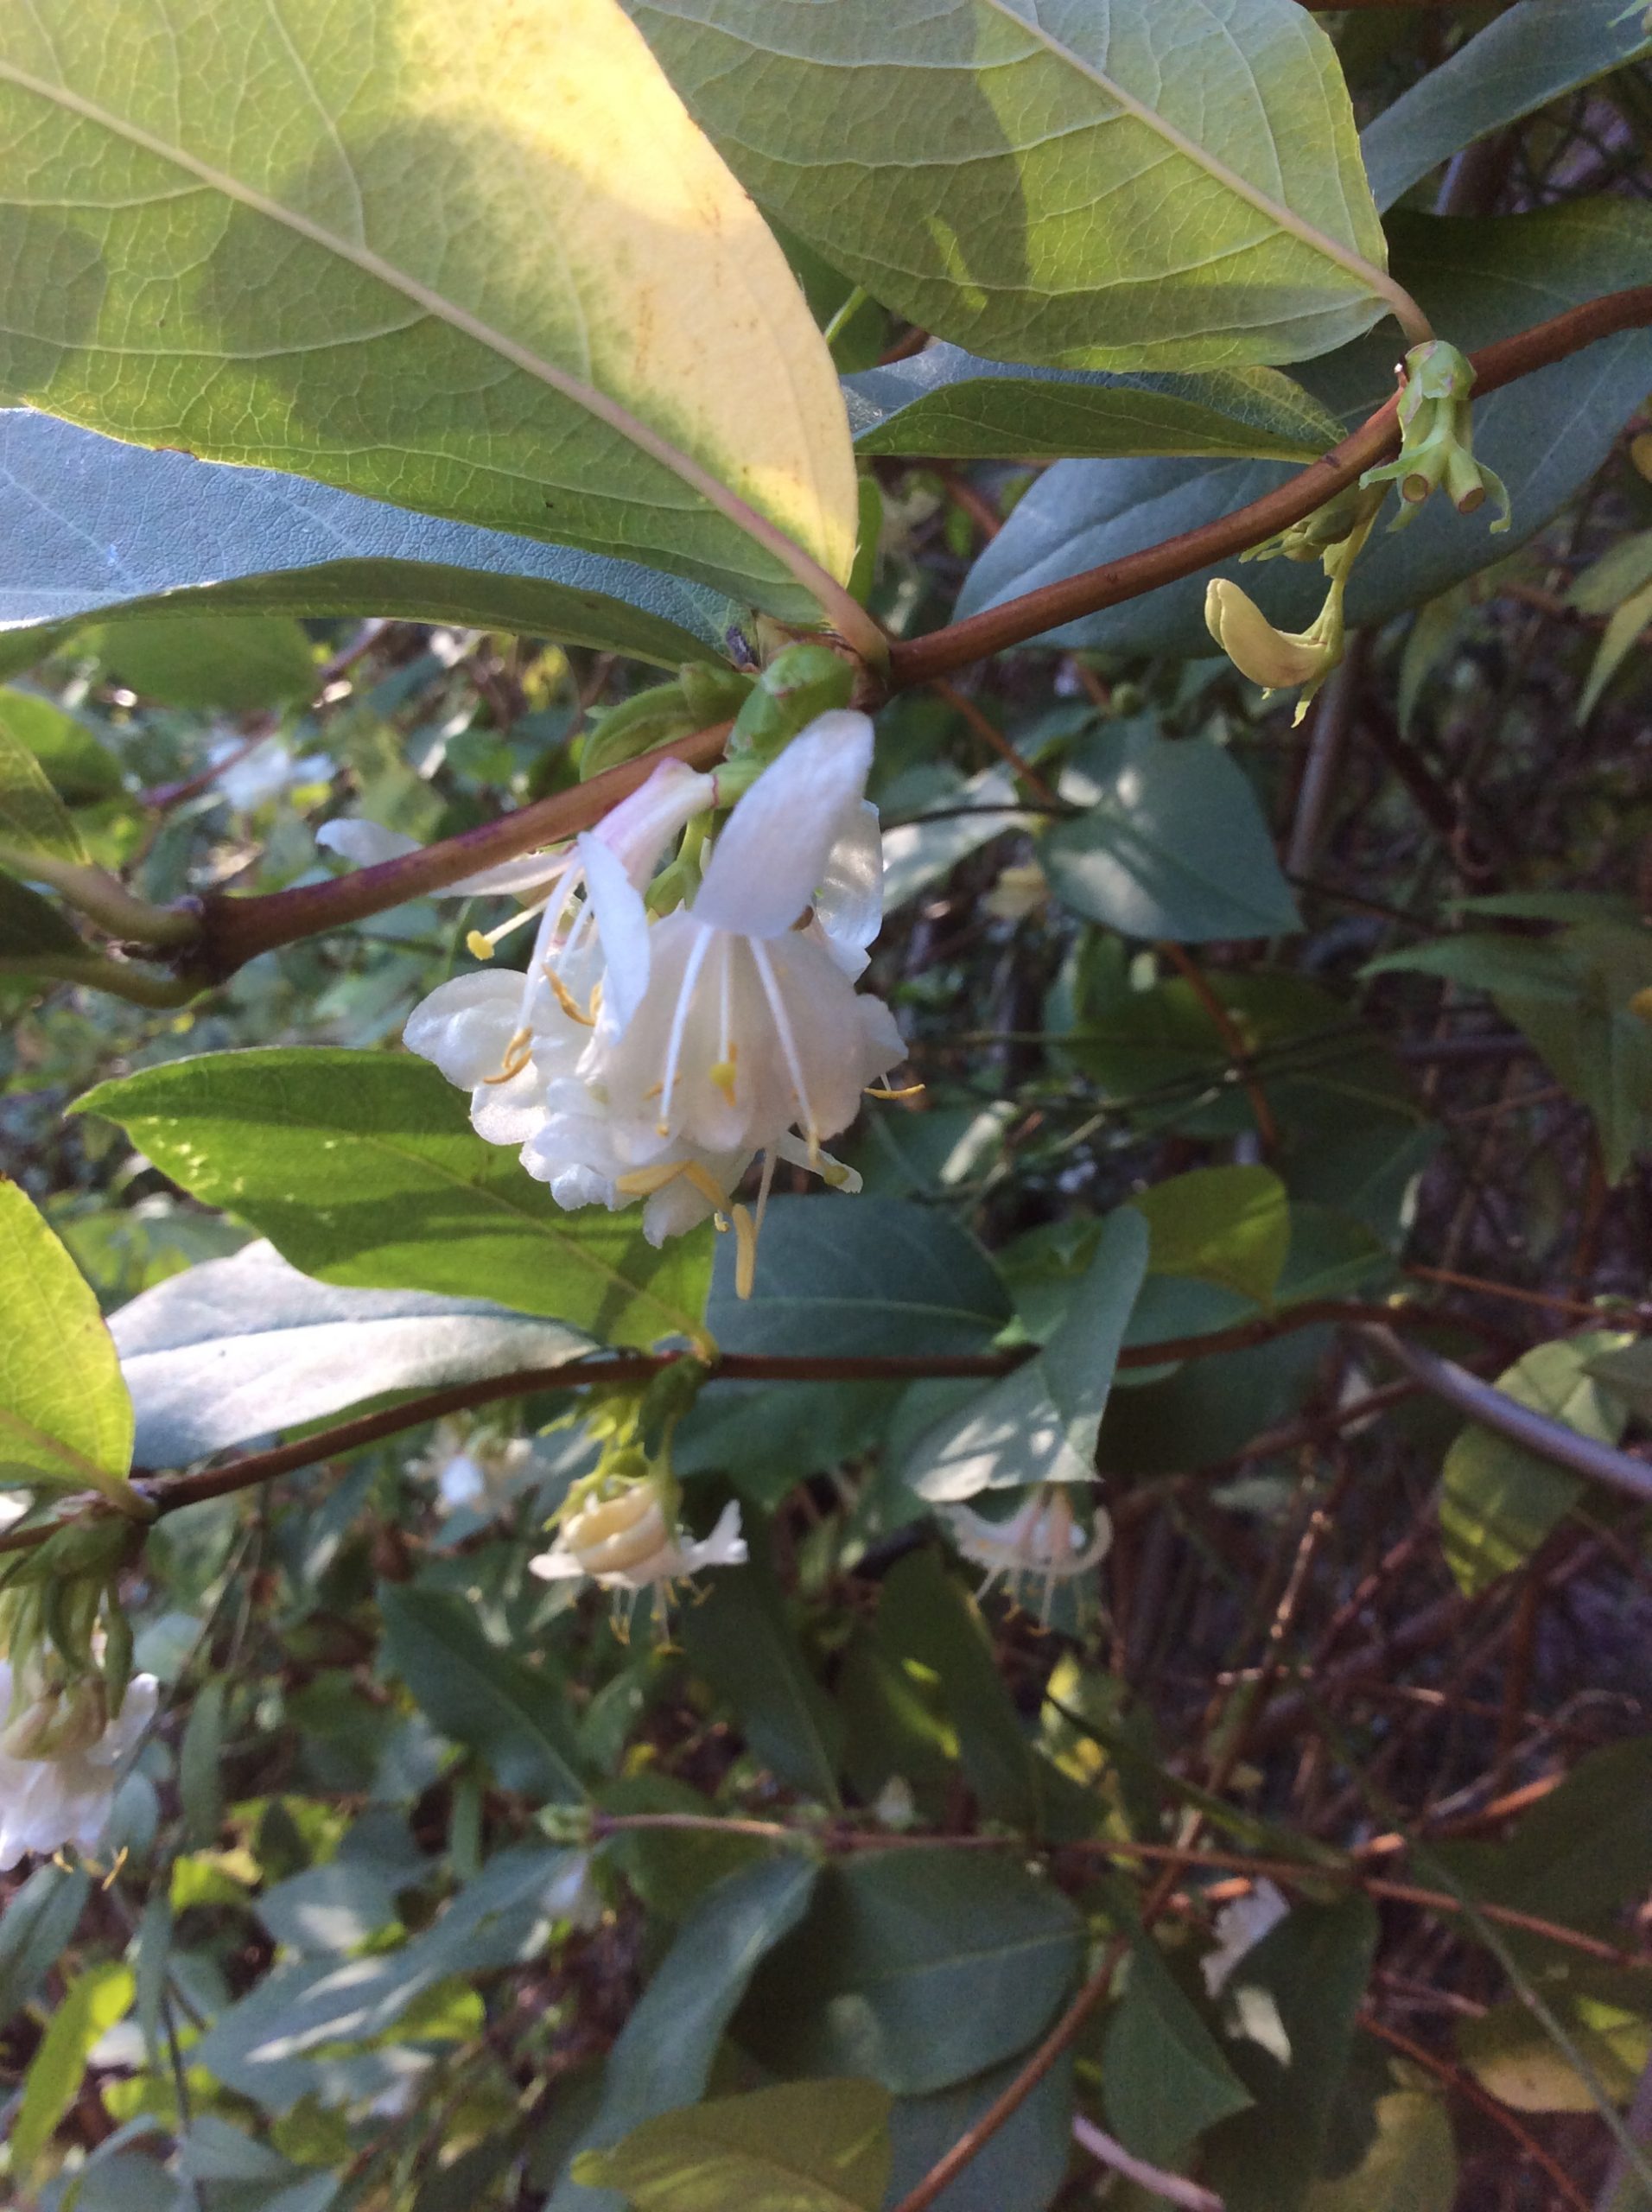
{"type": "Point", "coordinates": [774, 540]}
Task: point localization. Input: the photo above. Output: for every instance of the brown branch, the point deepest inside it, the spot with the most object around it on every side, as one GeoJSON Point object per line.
{"type": "Point", "coordinates": [920, 660]}
{"type": "Point", "coordinates": [234, 930]}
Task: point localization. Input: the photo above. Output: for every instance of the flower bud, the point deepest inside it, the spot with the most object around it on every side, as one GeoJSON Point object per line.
{"type": "Point", "coordinates": [1277, 659]}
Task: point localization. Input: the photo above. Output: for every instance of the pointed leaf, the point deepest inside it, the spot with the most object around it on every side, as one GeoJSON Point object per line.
{"type": "Point", "coordinates": [499, 223]}
{"type": "Point", "coordinates": [802, 2146]}
{"type": "Point", "coordinates": [1226, 1225]}
{"type": "Point", "coordinates": [362, 1168]}
{"type": "Point", "coordinates": [65, 1414]}
{"type": "Point", "coordinates": [33, 819]}
{"type": "Point", "coordinates": [1148, 184]}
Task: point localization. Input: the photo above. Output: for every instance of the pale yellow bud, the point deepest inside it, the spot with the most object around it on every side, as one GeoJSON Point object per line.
{"type": "Point", "coordinates": [1277, 659]}
{"type": "Point", "coordinates": [619, 1535]}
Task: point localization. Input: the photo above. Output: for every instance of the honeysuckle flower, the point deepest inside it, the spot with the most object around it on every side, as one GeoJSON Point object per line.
{"type": "Point", "coordinates": [1278, 659]}
{"type": "Point", "coordinates": [1043, 1542]}
{"type": "Point", "coordinates": [731, 1026]}
{"type": "Point", "coordinates": [61, 1757]}
{"type": "Point", "coordinates": [476, 1469]}
{"type": "Point", "coordinates": [1239, 1928]}
{"type": "Point", "coordinates": [625, 1537]}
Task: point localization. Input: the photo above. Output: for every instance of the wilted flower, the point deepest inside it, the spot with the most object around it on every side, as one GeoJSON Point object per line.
{"type": "Point", "coordinates": [1042, 1543]}
{"type": "Point", "coordinates": [1277, 659]}
{"type": "Point", "coordinates": [61, 1757]}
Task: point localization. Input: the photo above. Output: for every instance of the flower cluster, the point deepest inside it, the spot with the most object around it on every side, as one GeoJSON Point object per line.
{"type": "Point", "coordinates": [671, 1029]}
{"type": "Point", "coordinates": [1042, 1543]}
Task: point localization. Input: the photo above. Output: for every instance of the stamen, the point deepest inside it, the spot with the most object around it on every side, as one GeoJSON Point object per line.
{"type": "Point", "coordinates": [745, 1258]}
{"type": "Point", "coordinates": [478, 946]}
{"type": "Point", "coordinates": [722, 1073]}
{"type": "Point", "coordinates": [480, 943]}
{"type": "Point", "coordinates": [691, 968]}
{"type": "Point", "coordinates": [643, 1182]}
{"type": "Point", "coordinates": [788, 1044]}
{"type": "Point", "coordinates": [569, 1005]}
{"type": "Point", "coordinates": [692, 1172]}
{"type": "Point", "coordinates": [517, 1053]}
{"type": "Point", "coordinates": [908, 1090]}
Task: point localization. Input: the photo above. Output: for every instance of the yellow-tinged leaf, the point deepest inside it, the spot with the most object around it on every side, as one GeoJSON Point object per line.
{"type": "Point", "coordinates": [477, 260]}
{"type": "Point", "coordinates": [64, 1407]}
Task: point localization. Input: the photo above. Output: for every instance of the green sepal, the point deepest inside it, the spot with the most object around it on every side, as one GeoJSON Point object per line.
{"type": "Point", "coordinates": [802, 681]}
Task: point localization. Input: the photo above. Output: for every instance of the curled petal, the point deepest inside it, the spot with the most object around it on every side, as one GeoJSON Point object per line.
{"type": "Point", "coordinates": [1277, 659]}
{"type": "Point", "coordinates": [363, 843]}
{"type": "Point", "coordinates": [622, 925]}
{"type": "Point", "coordinates": [848, 899]}
{"type": "Point", "coordinates": [638, 831]}
{"type": "Point", "coordinates": [466, 1025]}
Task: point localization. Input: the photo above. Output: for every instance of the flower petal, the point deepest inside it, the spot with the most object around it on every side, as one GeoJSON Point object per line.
{"type": "Point", "coordinates": [363, 843]}
{"type": "Point", "coordinates": [465, 1025]}
{"type": "Point", "coordinates": [622, 925]}
{"type": "Point", "coordinates": [848, 899]}
{"type": "Point", "coordinates": [772, 857]}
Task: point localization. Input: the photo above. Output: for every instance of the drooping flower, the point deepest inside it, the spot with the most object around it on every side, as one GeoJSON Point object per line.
{"type": "Point", "coordinates": [61, 1757]}
{"type": "Point", "coordinates": [1042, 1543]}
{"type": "Point", "coordinates": [625, 1537]}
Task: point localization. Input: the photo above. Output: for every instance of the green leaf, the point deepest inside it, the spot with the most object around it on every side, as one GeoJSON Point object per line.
{"type": "Point", "coordinates": [354, 245]}
{"type": "Point", "coordinates": [34, 1932]}
{"type": "Point", "coordinates": [1225, 1225]}
{"type": "Point", "coordinates": [79, 769]}
{"type": "Point", "coordinates": [1164, 2078]}
{"type": "Point", "coordinates": [1040, 1424]}
{"type": "Point", "coordinates": [802, 2146]}
{"type": "Point", "coordinates": [1536, 53]}
{"type": "Point", "coordinates": [1545, 435]}
{"type": "Point", "coordinates": [32, 816]}
{"type": "Point", "coordinates": [1512, 2054]}
{"type": "Point", "coordinates": [245, 1346]}
{"type": "Point", "coordinates": [65, 1414]}
{"type": "Point", "coordinates": [1173, 844]}
{"type": "Point", "coordinates": [91, 2005]}
{"type": "Point", "coordinates": [1581, 1854]}
{"type": "Point", "coordinates": [1020, 2168]}
{"type": "Point", "coordinates": [362, 1168]}
{"type": "Point", "coordinates": [663, 2056]}
{"type": "Point", "coordinates": [479, 1696]}
{"type": "Point", "coordinates": [919, 1968]}
{"type": "Point", "coordinates": [953, 405]}
{"type": "Point", "coordinates": [839, 1278]}
{"type": "Point", "coordinates": [1411, 2166]}
{"type": "Point", "coordinates": [247, 540]}
{"type": "Point", "coordinates": [1621, 634]}
{"type": "Point", "coordinates": [200, 1758]}
{"type": "Point", "coordinates": [918, 853]}
{"type": "Point", "coordinates": [927, 1621]}
{"type": "Point", "coordinates": [1146, 186]}
{"type": "Point", "coordinates": [1498, 1501]}
{"type": "Point", "coordinates": [740, 1639]}
{"type": "Point", "coordinates": [233, 662]}
{"type": "Point", "coordinates": [1314, 1967]}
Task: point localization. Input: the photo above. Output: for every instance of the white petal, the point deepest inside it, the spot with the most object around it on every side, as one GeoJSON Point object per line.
{"type": "Point", "coordinates": [848, 899]}
{"type": "Point", "coordinates": [724, 1547]}
{"type": "Point", "coordinates": [622, 925]}
{"type": "Point", "coordinates": [465, 1025]}
{"type": "Point", "coordinates": [639, 829]}
{"type": "Point", "coordinates": [772, 854]}
{"type": "Point", "coordinates": [363, 843]}
{"type": "Point", "coordinates": [528, 874]}
{"type": "Point", "coordinates": [555, 1566]}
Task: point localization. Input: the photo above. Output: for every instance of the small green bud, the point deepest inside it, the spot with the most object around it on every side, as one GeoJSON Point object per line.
{"type": "Point", "coordinates": [714, 695]}
{"type": "Point", "coordinates": [802, 681]}
{"type": "Point", "coordinates": [636, 725]}
{"type": "Point", "coordinates": [1437, 438]}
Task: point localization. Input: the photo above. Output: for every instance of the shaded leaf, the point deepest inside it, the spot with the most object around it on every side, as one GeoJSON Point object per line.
{"type": "Point", "coordinates": [235, 662]}
{"type": "Point", "coordinates": [1581, 1854]}
{"type": "Point", "coordinates": [740, 1639]}
{"type": "Point", "coordinates": [1226, 1225]}
{"type": "Point", "coordinates": [663, 2056]}
{"type": "Point", "coordinates": [840, 1277]}
{"type": "Point", "coordinates": [1537, 51]}
{"type": "Point", "coordinates": [248, 539]}
{"type": "Point", "coordinates": [1411, 2166]}
{"type": "Point", "coordinates": [244, 1347]}
{"type": "Point", "coordinates": [294, 213]}
{"type": "Point", "coordinates": [947, 403]}
{"type": "Point", "coordinates": [1036, 184]}
{"type": "Point", "coordinates": [79, 768]}
{"type": "Point", "coordinates": [1512, 2055]}
{"type": "Point", "coordinates": [91, 2004]}
{"type": "Point", "coordinates": [481, 1697]}
{"type": "Point", "coordinates": [362, 1168]}
{"type": "Point", "coordinates": [35, 1931]}
{"type": "Point", "coordinates": [33, 819]}
{"type": "Point", "coordinates": [1020, 2168]}
{"type": "Point", "coordinates": [919, 1968]}
{"type": "Point", "coordinates": [802, 2146]}
{"type": "Point", "coordinates": [1173, 844]}
{"type": "Point", "coordinates": [1164, 2078]}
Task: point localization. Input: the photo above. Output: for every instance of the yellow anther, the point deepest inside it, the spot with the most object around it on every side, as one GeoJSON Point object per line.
{"type": "Point", "coordinates": [478, 946]}
{"type": "Point", "coordinates": [746, 1257]}
{"type": "Point", "coordinates": [722, 1074]}
{"type": "Point", "coordinates": [517, 1054]}
{"type": "Point", "coordinates": [703, 1183]}
{"type": "Point", "coordinates": [569, 1005]}
{"type": "Point", "coordinates": [909, 1090]}
{"type": "Point", "coordinates": [643, 1182]}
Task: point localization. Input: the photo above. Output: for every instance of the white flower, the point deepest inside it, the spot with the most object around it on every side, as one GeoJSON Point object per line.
{"type": "Point", "coordinates": [1239, 1928]}
{"type": "Point", "coordinates": [474, 1469]}
{"type": "Point", "coordinates": [733, 1026]}
{"type": "Point", "coordinates": [247, 779]}
{"type": "Point", "coordinates": [45, 1803]}
{"type": "Point", "coordinates": [630, 1542]}
{"type": "Point", "coordinates": [1042, 1543]}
